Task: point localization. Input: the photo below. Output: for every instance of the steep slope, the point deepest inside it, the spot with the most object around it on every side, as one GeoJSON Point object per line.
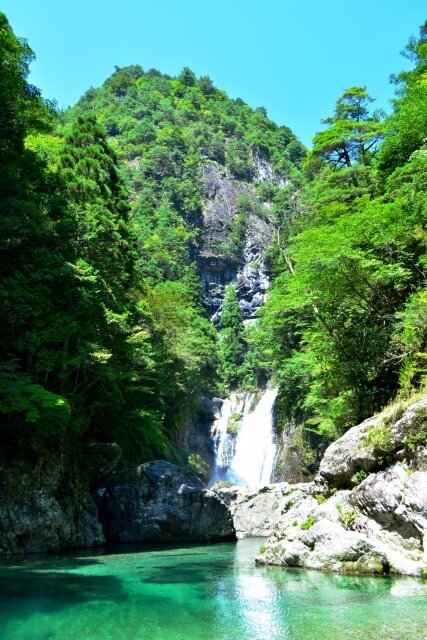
{"type": "Point", "coordinates": [221, 168]}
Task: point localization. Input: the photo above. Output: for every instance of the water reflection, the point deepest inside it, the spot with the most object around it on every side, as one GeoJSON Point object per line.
{"type": "Point", "coordinates": [201, 593]}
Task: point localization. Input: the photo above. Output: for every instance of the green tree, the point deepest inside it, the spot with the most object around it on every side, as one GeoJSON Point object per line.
{"type": "Point", "coordinates": [231, 339]}
{"type": "Point", "coordinates": [407, 125]}
{"type": "Point", "coordinates": [353, 133]}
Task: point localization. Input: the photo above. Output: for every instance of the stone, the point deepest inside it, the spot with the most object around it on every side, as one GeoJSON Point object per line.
{"type": "Point", "coordinates": [378, 526]}
{"type": "Point", "coordinates": [396, 500]}
{"type": "Point", "coordinates": [365, 446]}
{"type": "Point", "coordinates": [256, 510]}
{"type": "Point", "coordinates": [45, 508]}
{"type": "Point", "coordinates": [160, 502]}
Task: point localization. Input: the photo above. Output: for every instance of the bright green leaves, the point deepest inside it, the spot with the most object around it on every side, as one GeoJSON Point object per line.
{"type": "Point", "coordinates": [353, 133]}
{"type": "Point", "coordinates": [242, 362]}
{"type": "Point", "coordinates": [407, 125]}
{"type": "Point", "coordinates": [185, 343]}
{"type": "Point", "coordinates": [231, 339]}
{"type": "Point", "coordinates": [99, 203]}
{"type": "Point", "coordinates": [346, 316]}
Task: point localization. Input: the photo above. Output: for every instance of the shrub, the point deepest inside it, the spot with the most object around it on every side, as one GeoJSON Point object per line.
{"type": "Point", "coordinates": [197, 465]}
{"type": "Point", "coordinates": [308, 523]}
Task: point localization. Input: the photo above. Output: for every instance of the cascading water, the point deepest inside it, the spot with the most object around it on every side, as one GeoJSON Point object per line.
{"type": "Point", "coordinates": [248, 457]}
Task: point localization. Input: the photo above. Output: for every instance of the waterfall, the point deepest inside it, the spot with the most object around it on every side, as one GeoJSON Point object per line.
{"type": "Point", "coordinates": [244, 441]}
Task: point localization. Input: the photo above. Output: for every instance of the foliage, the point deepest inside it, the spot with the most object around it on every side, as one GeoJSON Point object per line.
{"type": "Point", "coordinates": [378, 438]}
{"type": "Point", "coordinates": [231, 339]}
{"type": "Point", "coordinates": [233, 423]}
{"type": "Point", "coordinates": [104, 331]}
{"type": "Point", "coordinates": [197, 465]}
{"type": "Point", "coordinates": [308, 523]}
{"type": "Point", "coordinates": [346, 517]}
{"type": "Point", "coordinates": [358, 477]}
{"type": "Point", "coordinates": [344, 326]}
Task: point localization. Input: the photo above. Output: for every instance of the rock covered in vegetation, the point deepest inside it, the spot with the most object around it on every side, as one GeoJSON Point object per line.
{"type": "Point", "coordinates": [378, 526]}
{"type": "Point", "coordinates": [160, 502]}
{"type": "Point", "coordinates": [45, 508]}
{"type": "Point", "coordinates": [366, 446]}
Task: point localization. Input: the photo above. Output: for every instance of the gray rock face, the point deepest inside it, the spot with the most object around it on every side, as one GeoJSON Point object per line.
{"type": "Point", "coordinates": [397, 501]}
{"type": "Point", "coordinates": [365, 446]}
{"type": "Point", "coordinates": [255, 511]}
{"type": "Point", "coordinates": [160, 502]}
{"type": "Point", "coordinates": [45, 509]}
{"type": "Point", "coordinates": [262, 170]}
{"type": "Point", "coordinates": [251, 276]}
{"type": "Point", "coordinates": [338, 536]}
{"type": "Point", "coordinates": [196, 437]}
{"type": "Point", "coordinates": [379, 526]}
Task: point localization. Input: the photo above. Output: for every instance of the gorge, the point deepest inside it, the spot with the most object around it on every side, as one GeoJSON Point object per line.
{"type": "Point", "coordinates": [211, 334]}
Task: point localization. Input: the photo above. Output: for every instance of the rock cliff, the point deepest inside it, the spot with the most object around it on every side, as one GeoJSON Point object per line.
{"type": "Point", "coordinates": [218, 265]}
{"type": "Point", "coordinates": [45, 507]}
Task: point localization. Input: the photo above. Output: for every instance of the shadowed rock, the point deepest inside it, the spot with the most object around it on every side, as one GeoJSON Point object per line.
{"type": "Point", "coordinates": [160, 502]}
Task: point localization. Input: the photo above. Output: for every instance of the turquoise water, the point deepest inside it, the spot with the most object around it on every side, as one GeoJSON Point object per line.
{"type": "Point", "coordinates": [211, 592]}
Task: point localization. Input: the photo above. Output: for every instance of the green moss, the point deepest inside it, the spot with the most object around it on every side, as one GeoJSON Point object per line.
{"type": "Point", "coordinates": [320, 499]}
{"type": "Point", "coordinates": [415, 440]}
{"type": "Point", "coordinates": [308, 523]}
{"type": "Point", "coordinates": [288, 506]}
{"type": "Point", "coordinates": [222, 484]}
{"type": "Point", "coordinates": [197, 465]}
{"type": "Point", "coordinates": [233, 423]}
{"type": "Point", "coordinates": [378, 438]}
{"type": "Point", "coordinates": [358, 477]}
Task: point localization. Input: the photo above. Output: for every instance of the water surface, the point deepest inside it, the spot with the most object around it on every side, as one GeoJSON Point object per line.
{"type": "Point", "coordinates": [211, 592]}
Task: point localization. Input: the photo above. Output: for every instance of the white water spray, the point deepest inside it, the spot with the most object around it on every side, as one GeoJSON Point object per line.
{"type": "Point", "coordinates": [248, 458]}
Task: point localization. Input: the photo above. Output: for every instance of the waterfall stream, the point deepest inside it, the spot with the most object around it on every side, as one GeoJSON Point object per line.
{"type": "Point", "coordinates": [244, 440]}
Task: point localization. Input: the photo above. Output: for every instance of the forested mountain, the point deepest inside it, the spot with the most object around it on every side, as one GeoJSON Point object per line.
{"type": "Point", "coordinates": [120, 213]}
{"type": "Point", "coordinates": [105, 333]}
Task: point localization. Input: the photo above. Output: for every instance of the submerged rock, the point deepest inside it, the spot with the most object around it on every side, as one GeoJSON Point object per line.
{"type": "Point", "coordinates": [160, 502]}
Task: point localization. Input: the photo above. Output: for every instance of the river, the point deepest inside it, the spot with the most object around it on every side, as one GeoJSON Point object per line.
{"type": "Point", "coordinates": [202, 592]}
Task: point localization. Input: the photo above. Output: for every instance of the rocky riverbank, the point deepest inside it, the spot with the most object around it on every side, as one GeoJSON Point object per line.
{"type": "Point", "coordinates": [366, 511]}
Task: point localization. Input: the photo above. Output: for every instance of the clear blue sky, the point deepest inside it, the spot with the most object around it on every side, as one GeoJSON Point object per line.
{"type": "Point", "coordinates": [294, 57]}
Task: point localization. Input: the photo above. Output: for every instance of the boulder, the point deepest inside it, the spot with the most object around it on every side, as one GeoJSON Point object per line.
{"type": "Point", "coordinates": [160, 502]}
{"type": "Point", "coordinates": [256, 510]}
{"type": "Point", "coordinates": [396, 500]}
{"type": "Point", "coordinates": [369, 445]}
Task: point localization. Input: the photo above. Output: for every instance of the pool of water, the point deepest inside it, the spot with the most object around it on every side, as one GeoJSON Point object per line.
{"type": "Point", "coordinates": [211, 592]}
